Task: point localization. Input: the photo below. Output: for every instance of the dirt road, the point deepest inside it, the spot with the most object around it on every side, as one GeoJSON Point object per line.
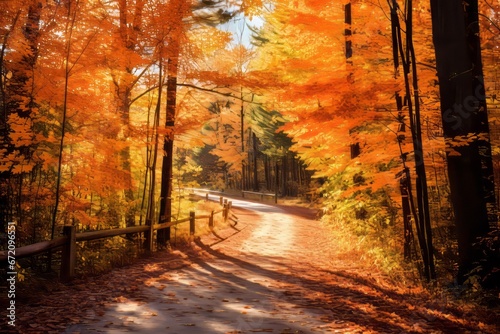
{"type": "Point", "coordinates": [241, 285]}
{"type": "Point", "coordinates": [276, 271]}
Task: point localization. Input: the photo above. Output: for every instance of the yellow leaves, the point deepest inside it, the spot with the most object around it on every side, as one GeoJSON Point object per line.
{"type": "Point", "coordinates": [230, 155]}
{"type": "Point", "coordinates": [308, 56]}
{"type": "Point", "coordinates": [214, 77]}
{"type": "Point", "coordinates": [317, 24]}
{"type": "Point", "coordinates": [21, 273]}
{"type": "Point", "coordinates": [225, 68]}
{"type": "Point", "coordinates": [209, 39]}
{"type": "Point", "coordinates": [223, 132]}
{"type": "Point", "coordinates": [317, 5]}
{"type": "Point", "coordinates": [321, 148]}
{"type": "Point", "coordinates": [252, 7]}
{"type": "Point", "coordinates": [189, 139]}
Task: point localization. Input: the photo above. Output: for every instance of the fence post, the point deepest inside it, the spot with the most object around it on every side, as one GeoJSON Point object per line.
{"type": "Point", "coordinates": [225, 212]}
{"type": "Point", "coordinates": [221, 199]}
{"type": "Point", "coordinates": [211, 220]}
{"type": "Point", "coordinates": [68, 259]}
{"type": "Point", "coordinates": [192, 220]}
{"type": "Point", "coordinates": [206, 196]}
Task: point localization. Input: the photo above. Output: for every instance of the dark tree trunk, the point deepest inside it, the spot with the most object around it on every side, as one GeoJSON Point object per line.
{"type": "Point", "coordinates": [421, 181]}
{"type": "Point", "coordinates": [276, 178]}
{"type": "Point", "coordinates": [255, 169]}
{"type": "Point", "coordinates": [267, 172]}
{"type": "Point", "coordinates": [178, 11]}
{"type": "Point", "coordinates": [408, 61]}
{"type": "Point", "coordinates": [249, 172]}
{"type": "Point", "coordinates": [168, 150]}
{"type": "Point", "coordinates": [244, 183]}
{"type": "Point", "coordinates": [5, 207]}
{"type": "Point", "coordinates": [463, 106]}
{"type": "Point", "coordinates": [405, 204]}
{"type": "Point", "coordinates": [284, 175]}
{"type": "Point", "coordinates": [243, 176]}
{"type": "Point", "coordinates": [298, 171]}
{"type": "Point", "coordinates": [18, 98]}
{"type": "Point", "coordinates": [152, 158]}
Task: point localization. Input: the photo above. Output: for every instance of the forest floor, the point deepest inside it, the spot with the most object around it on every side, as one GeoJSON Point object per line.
{"type": "Point", "coordinates": [277, 271]}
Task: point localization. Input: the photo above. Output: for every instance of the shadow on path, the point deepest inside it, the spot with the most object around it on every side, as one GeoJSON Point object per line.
{"type": "Point", "coordinates": [349, 297]}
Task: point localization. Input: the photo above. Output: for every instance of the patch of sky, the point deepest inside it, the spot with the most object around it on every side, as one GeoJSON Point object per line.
{"type": "Point", "coordinates": [240, 26]}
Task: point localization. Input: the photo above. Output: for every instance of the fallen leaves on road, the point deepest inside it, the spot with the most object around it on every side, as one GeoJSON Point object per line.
{"type": "Point", "coordinates": [355, 299]}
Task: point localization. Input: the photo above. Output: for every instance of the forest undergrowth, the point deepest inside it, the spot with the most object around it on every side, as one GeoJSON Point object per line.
{"type": "Point", "coordinates": [97, 257]}
{"type": "Point", "coordinates": [369, 245]}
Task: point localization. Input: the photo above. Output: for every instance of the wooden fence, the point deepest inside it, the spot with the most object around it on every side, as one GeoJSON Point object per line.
{"type": "Point", "coordinates": [244, 194]}
{"type": "Point", "coordinates": [70, 238]}
{"type": "Point", "coordinates": [260, 195]}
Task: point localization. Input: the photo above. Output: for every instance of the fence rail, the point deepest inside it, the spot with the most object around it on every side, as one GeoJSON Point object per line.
{"type": "Point", "coordinates": [261, 195]}
{"type": "Point", "coordinates": [243, 193]}
{"type": "Point", "coordinates": [70, 238]}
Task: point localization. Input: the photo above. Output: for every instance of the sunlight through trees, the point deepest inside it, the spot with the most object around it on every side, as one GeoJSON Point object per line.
{"type": "Point", "coordinates": [382, 115]}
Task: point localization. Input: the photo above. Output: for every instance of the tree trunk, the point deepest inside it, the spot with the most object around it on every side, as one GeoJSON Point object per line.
{"type": "Point", "coordinates": [408, 62]}
{"type": "Point", "coordinates": [242, 134]}
{"type": "Point", "coordinates": [284, 176]}
{"type": "Point", "coordinates": [243, 175]}
{"type": "Point", "coordinates": [421, 181]}
{"type": "Point", "coordinates": [5, 145]}
{"type": "Point", "coordinates": [123, 89]}
{"type": "Point", "coordinates": [255, 172]}
{"type": "Point", "coordinates": [463, 106]}
{"type": "Point", "coordinates": [168, 149]}
{"type": "Point", "coordinates": [266, 172]}
{"type": "Point", "coordinates": [178, 10]}
{"type": "Point", "coordinates": [276, 178]}
{"type": "Point", "coordinates": [249, 173]}
{"type": "Point", "coordinates": [18, 98]}
{"type": "Point", "coordinates": [152, 157]}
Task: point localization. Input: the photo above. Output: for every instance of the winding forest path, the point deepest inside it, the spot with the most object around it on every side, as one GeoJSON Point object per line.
{"type": "Point", "coordinates": [276, 271]}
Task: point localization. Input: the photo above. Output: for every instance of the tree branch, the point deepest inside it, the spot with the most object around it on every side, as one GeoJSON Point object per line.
{"type": "Point", "coordinates": [210, 90]}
